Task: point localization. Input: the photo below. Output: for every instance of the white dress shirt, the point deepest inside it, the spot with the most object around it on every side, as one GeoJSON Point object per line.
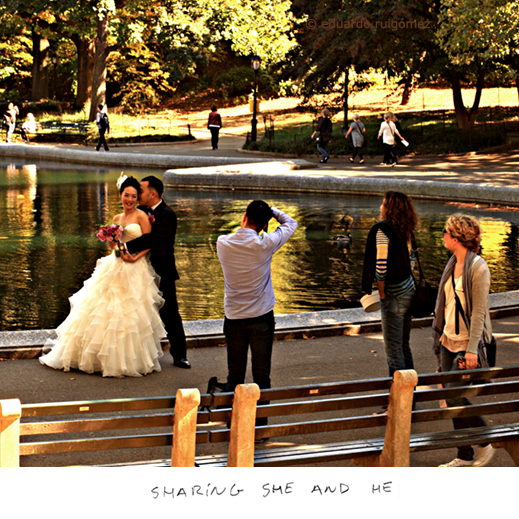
{"type": "Point", "coordinates": [246, 257]}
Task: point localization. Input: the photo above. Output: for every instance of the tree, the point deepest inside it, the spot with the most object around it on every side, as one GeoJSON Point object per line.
{"type": "Point", "coordinates": [474, 35]}
{"type": "Point", "coordinates": [15, 57]}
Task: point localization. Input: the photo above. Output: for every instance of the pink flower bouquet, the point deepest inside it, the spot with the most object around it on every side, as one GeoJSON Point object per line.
{"type": "Point", "coordinates": [111, 233]}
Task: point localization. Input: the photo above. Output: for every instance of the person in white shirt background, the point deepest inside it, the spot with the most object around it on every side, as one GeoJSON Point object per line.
{"type": "Point", "coordinates": [387, 131]}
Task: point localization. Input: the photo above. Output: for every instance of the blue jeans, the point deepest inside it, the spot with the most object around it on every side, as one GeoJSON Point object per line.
{"type": "Point", "coordinates": [449, 361]}
{"type": "Point", "coordinates": [258, 332]}
{"type": "Point", "coordinates": [396, 330]}
{"type": "Point", "coordinates": [321, 146]}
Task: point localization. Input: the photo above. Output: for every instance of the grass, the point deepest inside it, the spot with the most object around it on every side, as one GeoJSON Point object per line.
{"type": "Point", "coordinates": [432, 132]}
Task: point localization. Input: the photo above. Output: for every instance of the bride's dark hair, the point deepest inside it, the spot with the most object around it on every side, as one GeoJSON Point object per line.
{"type": "Point", "coordinates": [130, 182]}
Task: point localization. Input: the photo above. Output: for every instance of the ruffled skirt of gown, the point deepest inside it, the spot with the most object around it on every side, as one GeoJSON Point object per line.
{"type": "Point", "coordinates": [114, 325]}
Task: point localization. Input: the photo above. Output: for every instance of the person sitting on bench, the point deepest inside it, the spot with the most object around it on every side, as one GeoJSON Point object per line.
{"type": "Point", "coordinates": [29, 126]}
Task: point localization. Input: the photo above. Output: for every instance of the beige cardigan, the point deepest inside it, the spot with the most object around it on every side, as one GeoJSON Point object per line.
{"type": "Point", "coordinates": [476, 287]}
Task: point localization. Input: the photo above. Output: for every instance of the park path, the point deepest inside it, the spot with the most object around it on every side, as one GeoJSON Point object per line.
{"type": "Point", "coordinates": [490, 168]}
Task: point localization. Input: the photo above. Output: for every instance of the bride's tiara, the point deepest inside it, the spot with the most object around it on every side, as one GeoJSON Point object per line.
{"type": "Point", "coordinates": [121, 179]}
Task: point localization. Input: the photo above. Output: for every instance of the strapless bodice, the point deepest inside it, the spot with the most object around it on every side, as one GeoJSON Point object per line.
{"type": "Point", "coordinates": [131, 232]}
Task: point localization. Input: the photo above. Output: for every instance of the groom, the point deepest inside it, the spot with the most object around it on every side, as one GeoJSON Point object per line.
{"type": "Point", "coordinates": [161, 241]}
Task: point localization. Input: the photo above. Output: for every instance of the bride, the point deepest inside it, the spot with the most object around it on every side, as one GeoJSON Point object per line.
{"type": "Point", "coordinates": [114, 325]}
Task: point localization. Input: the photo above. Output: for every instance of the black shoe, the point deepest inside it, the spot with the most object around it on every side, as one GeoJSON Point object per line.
{"type": "Point", "coordinates": [325, 159]}
{"type": "Point", "coordinates": [182, 363]}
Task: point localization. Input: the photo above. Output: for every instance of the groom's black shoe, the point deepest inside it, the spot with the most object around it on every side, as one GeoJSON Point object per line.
{"type": "Point", "coordinates": [182, 363]}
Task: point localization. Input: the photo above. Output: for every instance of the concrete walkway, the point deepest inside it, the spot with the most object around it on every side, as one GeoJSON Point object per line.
{"type": "Point", "coordinates": [295, 362]}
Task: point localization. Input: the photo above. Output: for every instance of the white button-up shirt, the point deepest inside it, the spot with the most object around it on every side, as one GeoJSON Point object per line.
{"type": "Point", "coordinates": [246, 257]}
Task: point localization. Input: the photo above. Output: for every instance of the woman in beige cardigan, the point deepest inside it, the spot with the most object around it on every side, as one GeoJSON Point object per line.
{"type": "Point", "coordinates": [462, 320]}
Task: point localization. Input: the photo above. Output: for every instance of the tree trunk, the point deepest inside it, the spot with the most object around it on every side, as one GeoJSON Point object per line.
{"type": "Point", "coordinates": [40, 68]}
{"type": "Point", "coordinates": [466, 118]}
{"type": "Point", "coordinates": [85, 72]}
{"type": "Point", "coordinates": [346, 92]}
{"type": "Point", "coordinates": [406, 94]}
{"type": "Point", "coordinates": [99, 78]}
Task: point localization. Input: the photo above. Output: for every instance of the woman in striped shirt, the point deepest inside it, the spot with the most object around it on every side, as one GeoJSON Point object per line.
{"type": "Point", "coordinates": [388, 260]}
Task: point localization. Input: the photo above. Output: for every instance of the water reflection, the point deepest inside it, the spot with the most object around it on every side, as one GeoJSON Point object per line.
{"type": "Point", "coordinates": [49, 216]}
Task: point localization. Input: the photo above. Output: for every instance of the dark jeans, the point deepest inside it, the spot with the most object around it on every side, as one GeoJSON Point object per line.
{"type": "Point", "coordinates": [449, 362]}
{"type": "Point", "coordinates": [258, 333]}
{"type": "Point", "coordinates": [102, 140]}
{"type": "Point", "coordinates": [389, 154]}
{"type": "Point", "coordinates": [357, 151]}
{"type": "Point", "coordinates": [172, 321]}
{"type": "Point", "coordinates": [214, 137]}
{"type": "Point", "coordinates": [24, 135]}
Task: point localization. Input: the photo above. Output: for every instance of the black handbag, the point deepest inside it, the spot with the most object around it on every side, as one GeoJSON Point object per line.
{"type": "Point", "coordinates": [424, 299]}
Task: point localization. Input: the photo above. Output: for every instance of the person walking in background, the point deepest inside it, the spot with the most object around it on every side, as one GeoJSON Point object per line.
{"type": "Point", "coordinates": [161, 243]}
{"type": "Point", "coordinates": [462, 321]}
{"type": "Point", "coordinates": [246, 257]}
{"type": "Point", "coordinates": [324, 127]}
{"type": "Point", "coordinates": [29, 126]}
{"type": "Point", "coordinates": [103, 125]}
{"type": "Point", "coordinates": [214, 125]}
{"type": "Point", "coordinates": [387, 131]}
{"type": "Point", "coordinates": [356, 130]}
{"type": "Point", "coordinates": [10, 119]}
{"type": "Point", "coordinates": [388, 260]}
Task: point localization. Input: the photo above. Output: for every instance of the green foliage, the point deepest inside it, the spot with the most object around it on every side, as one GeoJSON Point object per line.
{"type": "Point", "coordinates": [258, 28]}
{"type": "Point", "coordinates": [471, 32]}
{"type": "Point", "coordinates": [234, 82]}
{"type": "Point", "coordinates": [138, 78]}
{"type": "Point", "coordinates": [15, 59]}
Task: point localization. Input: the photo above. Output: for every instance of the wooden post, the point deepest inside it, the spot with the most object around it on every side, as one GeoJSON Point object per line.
{"type": "Point", "coordinates": [398, 429]}
{"type": "Point", "coordinates": [10, 412]}
{"type": "Point", "coordinates": [512, 447]}
{"type": "Point", "coordinates": [243, 421]}
{"type": "Point", "coordinates": [184, 428]}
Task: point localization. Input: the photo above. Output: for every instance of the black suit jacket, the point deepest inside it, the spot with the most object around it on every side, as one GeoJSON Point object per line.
{"type": "Point", "coordinates": [161, 241]}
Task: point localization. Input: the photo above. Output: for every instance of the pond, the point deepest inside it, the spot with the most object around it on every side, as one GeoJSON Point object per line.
{"type": "Point", "coordinates": [49, 215]}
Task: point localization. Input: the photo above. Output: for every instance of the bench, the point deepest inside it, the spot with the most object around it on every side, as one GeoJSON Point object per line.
{"type": "Point", "coordinates": [339, 409]}
{"type": "Point", "coordinates": [392, 441]}
{"type": "Point", "coordinates": [64, 428]}
{"type": "Point", "coordinates": [71, 427]}
{"type": "Point", "coordinates": [56, 128]}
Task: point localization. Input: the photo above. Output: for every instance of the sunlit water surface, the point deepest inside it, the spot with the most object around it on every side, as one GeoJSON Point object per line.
{"type": "Point", "coordinates": [49, 215]}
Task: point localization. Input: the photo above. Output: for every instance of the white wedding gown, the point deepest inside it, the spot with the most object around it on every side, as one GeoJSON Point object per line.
{"type": "Point", "coordinates": [114, 325]}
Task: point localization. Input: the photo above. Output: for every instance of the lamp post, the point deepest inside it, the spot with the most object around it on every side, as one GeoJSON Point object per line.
{"type": "Point", "coordinates": [256, 61]}
{"type": "Point", "coordinates": [55, 63]}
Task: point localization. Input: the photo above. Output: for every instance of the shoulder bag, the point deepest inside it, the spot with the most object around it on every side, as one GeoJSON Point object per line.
{"type": "Point", "coordinates": [424, 299]}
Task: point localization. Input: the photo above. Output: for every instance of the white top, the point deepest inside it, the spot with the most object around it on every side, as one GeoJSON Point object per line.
{"type": "Point", "coordinates": [246, 257]}
{"type": "Point", "coordinates": [388, 132]}
{"type": "Point", "coordinates": [449, 338]}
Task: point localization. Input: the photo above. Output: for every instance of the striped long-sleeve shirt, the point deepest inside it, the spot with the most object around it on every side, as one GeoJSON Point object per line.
{"type": "Point", "coordinates": [397, 289]}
